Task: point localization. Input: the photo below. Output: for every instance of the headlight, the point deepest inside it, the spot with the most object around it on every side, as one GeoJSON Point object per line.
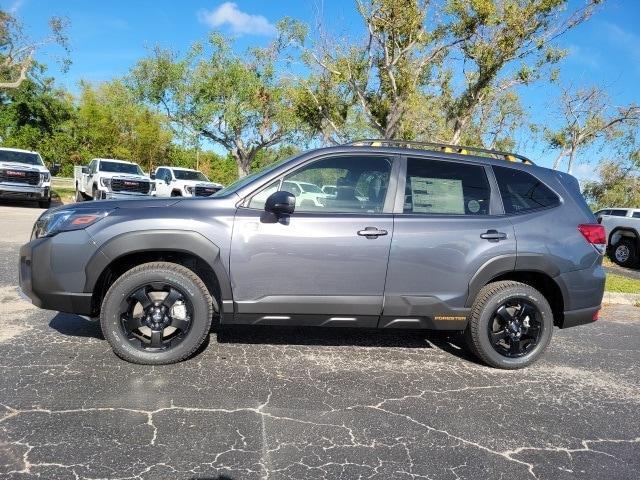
{"type": "Point", "coordinates": [105, 182]}
{"type": "Point", "coordinates": [189, 189]}
{"type": "Point", "coordinates": [66, 220]}
{"type": "Point", "coordinates": [45, 176]}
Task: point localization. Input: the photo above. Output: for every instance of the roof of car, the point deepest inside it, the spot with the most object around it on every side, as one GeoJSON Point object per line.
{"type": "Point", "coordinates": [7, 149]}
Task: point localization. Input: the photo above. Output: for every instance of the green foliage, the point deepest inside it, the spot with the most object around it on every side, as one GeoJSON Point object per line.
{"type": "Point", "coordinates": [618, 186]}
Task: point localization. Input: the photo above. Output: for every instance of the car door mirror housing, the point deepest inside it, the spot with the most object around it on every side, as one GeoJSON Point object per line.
{"type": "Point", "coordinates": [85, 169]}
{"type": "Point", "coordinates": [55, 169]}
{"type": "Point", "coordinates": [152, 176]}
{"type": "Point", "coordinates": [280, 203]}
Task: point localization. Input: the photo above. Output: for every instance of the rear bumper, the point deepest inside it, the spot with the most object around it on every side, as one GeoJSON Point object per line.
{"type": "Point", "coordinates": [573, 318]}
{"type": "Point", "coordinates": [51, 272]}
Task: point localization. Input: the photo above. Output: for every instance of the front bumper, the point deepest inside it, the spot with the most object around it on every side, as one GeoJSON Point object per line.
{"type": "Point", "coordinates": [51, 272]}
{"type": "Point", "coordinates": [109, 195]}
{"type": "Point", "coordinates": [13, 190]}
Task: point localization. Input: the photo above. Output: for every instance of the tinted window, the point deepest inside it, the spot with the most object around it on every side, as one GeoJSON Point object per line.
{"type": "Point", "coordinates": [189, 175]}
{"type": "Point", "coordinates": [522, 192]}
{"type": "Point", "coordinates": [636, 214]}
{"type": "Point", "coordinates": [20, 157]}
{"type": "Point", "coordinates": [117, 167]}
{"type": "Point", "coordinates": [361, 185]}
{"type": "Point", "coordinates": [618, 213]}
{"type": "Point", "coordinates": [445, 188]}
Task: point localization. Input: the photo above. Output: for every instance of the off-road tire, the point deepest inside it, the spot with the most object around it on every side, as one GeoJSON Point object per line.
{"type": "Point", "coordinates": [182, 277]}
{"type": "Point", "coordinates": [490, 297]}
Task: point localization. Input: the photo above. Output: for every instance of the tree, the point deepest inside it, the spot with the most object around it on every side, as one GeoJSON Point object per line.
{"type": "Point", "coordinates": [17, 50]}
{"type": "Point", "coordinates": [236, 101]}
{"type": "Point", "coordinates": [440, 70]}
{"type": "Point", "coordinates": [110, 123]}
{"type": "Point", "coordinates": [588, 116]}
{"type": "Point", "coordinates": [619, 185]}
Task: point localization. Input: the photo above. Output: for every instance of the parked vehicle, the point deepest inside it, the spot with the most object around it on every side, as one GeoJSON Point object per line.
{"type": "Point", "coordinates": [108, 178]}
{"type": "Point", "coordinates": [23, 175]}
{"type": "Point", "coordinates": [500, 250]}
{"type": "Point", "coordinates": [183, 182]}
{"type": "Point", "coordinates": [307, 194]}
{"type": "Point", "coordinates": [622, 226]}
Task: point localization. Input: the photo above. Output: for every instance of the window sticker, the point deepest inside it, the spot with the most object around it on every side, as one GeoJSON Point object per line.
{"type": "Point", "coordinates": [437, 195]}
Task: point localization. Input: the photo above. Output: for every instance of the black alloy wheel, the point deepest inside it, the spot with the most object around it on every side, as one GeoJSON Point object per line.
{"type": "Point", "coordinates": [156, 316]}
{"type": "Point", "coordinates": [516, 328]}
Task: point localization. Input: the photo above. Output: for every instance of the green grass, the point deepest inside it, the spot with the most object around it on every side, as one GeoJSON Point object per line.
{"type": "Point", "coordinates": [620, 284]}
{"type": "Point", "coordinates": [64, 195]}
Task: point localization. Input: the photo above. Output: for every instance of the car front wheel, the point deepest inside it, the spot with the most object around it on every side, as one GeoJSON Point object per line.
{"type": "Point", "coordinates": [157, 313]}
{"type": "Point", "coordinates": [510, 326]}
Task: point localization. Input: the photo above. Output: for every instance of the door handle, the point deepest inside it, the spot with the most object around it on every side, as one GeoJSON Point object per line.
{"type": "Point", "coordinates": [371, 232]}
{"type": "Point", "coordinates": [493, 235]}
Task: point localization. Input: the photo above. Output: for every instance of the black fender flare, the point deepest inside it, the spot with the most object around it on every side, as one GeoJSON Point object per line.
{"type": "Point", "coordinates": [624, 229]}
{"type": "Point", "coordinates": [182, 241]}
{"type": "Point", "coordinates": [512, 263]}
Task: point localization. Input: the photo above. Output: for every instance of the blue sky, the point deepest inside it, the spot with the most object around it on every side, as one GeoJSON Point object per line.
{"type": "Point", "coordinates": [108, 37]}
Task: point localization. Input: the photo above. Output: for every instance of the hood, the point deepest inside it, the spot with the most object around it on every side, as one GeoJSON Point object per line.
{"type": "Point", "coordinates": [145, 202]}
{"type": "Point", "coordinates": [200, 183]}
{"type": "Point", "coordinates": [124, 176]}
{"type": "Point", "coordinates": [23, 166]}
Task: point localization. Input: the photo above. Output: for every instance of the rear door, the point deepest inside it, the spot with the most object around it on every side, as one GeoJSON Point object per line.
{"type": "Point", "coordinates": [447, 226]}
{"type": "Point", "coordinates": [326, 263]}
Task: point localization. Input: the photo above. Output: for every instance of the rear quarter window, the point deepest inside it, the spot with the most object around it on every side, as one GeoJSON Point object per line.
{"type": "Point", "coordinates": [521, 192]}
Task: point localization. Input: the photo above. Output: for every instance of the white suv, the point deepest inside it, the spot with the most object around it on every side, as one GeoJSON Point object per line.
{"type": "Point", "coordinates": [309, 194]}
{"type": "Point", "coordinates": [183, 182]}
{"type": "Point", "coordinates": [24, 175]}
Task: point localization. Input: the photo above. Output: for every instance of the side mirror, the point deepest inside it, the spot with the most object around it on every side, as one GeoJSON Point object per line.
{"type": "Point", "coordinates": [280, 203]}
{"type": "Point", "coordinates": [85, 169]}
{"type": "Point", "coordinates": [152, 176]}
{"type": "Point", "coordinates": [167, 181]}
{"type": "Point", "coordinates": [55, 169]}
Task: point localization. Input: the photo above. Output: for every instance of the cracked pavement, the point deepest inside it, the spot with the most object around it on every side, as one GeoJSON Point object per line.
{"type": "Point", "coordinates": [308, 403]}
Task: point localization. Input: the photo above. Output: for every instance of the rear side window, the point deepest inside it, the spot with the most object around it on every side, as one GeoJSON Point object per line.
{"type": "Point", "coordinates": [445, 188]}
{"type": "Point", "coordinates": [618, 213]}
{"type": "Point", "coordinates": [521, 192]}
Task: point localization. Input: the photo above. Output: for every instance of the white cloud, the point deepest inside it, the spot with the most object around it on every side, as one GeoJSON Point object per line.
{"type": "Point", "coordinates": [15, 6]}
{"type": "Point", "coordinates": [621, 38]}
{"type": "Point", "coordinates": [239, 22]}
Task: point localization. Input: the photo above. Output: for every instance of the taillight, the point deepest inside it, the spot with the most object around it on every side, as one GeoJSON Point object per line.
{"type": "Point", "coordinates": [594, 234]}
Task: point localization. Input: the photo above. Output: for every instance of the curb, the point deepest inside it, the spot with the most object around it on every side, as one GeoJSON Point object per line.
{"type": "Point", "coordinates": [614, 298]}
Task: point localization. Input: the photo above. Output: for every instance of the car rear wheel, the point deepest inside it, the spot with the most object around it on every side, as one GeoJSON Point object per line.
{"type": "Point", "coordinates": [157, 313]}
{"type": "Point", "coordinates": [510, 326]}
{"type": "Point", "coordinates": [625, 253]}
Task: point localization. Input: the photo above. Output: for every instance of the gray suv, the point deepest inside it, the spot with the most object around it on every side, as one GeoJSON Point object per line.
{"type": "Point", "coordinates": [417, 236]}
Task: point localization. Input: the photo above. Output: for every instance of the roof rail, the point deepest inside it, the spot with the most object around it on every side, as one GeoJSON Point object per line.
{"type": "Point", "coordinates": [443, 147]}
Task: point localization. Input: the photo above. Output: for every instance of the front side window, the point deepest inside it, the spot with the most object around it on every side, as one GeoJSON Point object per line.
{"type": "Point", "coordinates": [360, 185]}
{"type": "Point", "coordinates": [521, 192]}
{"type": "Point", "coordinates": [636, 214]}
{"type": "Point", "coordinates": [435, 187]}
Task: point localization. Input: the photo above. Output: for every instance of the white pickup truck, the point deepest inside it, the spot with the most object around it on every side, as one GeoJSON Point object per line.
{"type": "Point", "coordinates": [109, 178]}
{"type": "Point", "coordinates": [623, 234]}
{"type": "Point", "coordinates": [24, 175]}
{"type": "Point", "coordinates": [183, 182]}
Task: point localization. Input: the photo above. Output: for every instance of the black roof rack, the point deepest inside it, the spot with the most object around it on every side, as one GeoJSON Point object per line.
{"type": "Point", "coordinates": [443, 147]}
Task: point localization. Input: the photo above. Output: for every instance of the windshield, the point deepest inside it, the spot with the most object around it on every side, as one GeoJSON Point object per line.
{"type": "Point", "coordinates": [189, 175]}
{"type": "Point", "coordinates": [20, 157]}
{"type": "Point", "coordinates": [241, 182]}
{"type": "Point", "coordinates": [117, 167]}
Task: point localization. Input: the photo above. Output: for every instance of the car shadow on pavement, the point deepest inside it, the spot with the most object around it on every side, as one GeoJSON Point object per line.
{"type": "Point", "coordinates": [450, 342]}
{"type": "Point", "coordinates": [73, 325]}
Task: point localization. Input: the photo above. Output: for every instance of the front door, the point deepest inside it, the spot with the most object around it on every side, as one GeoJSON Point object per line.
{"type": "Point", "coordinates": [326, 263]}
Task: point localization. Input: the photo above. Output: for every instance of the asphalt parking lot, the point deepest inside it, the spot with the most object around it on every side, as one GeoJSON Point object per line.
{"type": "Point", "coordinates": [298, 404]}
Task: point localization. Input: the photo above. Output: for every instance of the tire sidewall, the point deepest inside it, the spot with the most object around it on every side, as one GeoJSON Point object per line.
{"type": "Point", "coordinates": [124, 286]}
{"type": "Point", "coordinates": [631, 258]}
{"type": "Point", "coordinates": [488, 313]}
